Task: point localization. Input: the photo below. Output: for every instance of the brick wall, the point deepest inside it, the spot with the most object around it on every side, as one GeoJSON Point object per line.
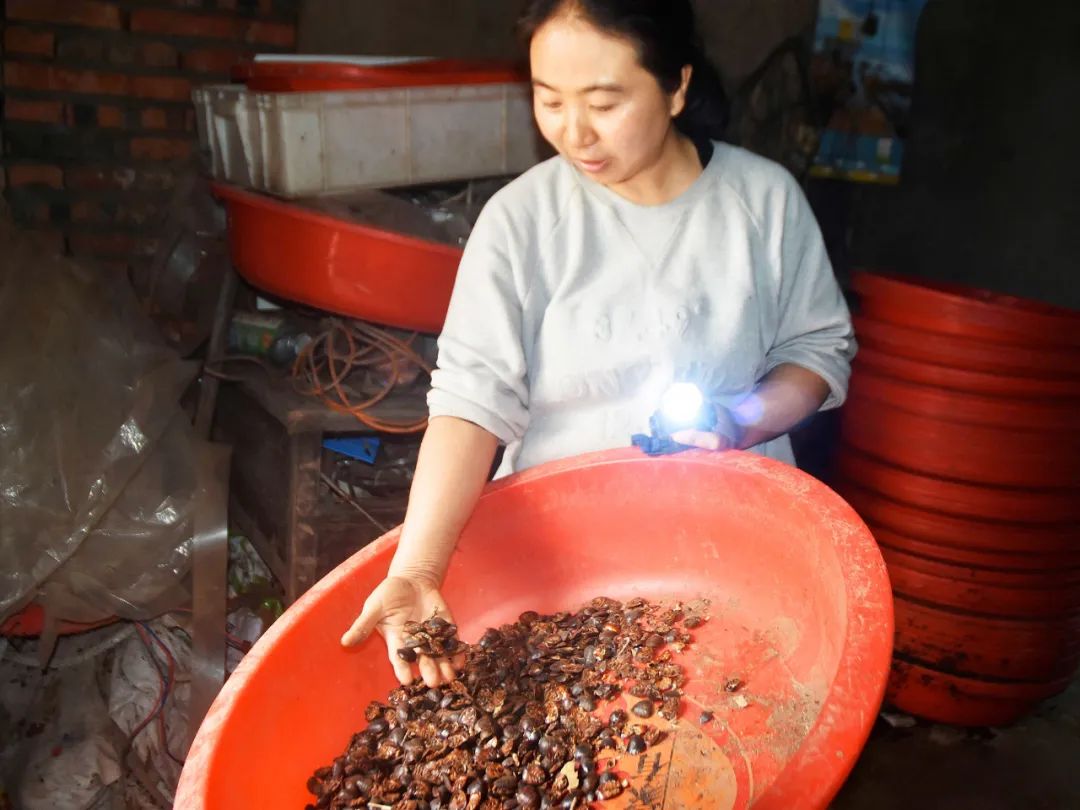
{"type": "Point", "coordinates": [97, 121]}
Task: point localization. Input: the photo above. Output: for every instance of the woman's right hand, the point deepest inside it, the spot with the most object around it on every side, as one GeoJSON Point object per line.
{"type": "Point", "coordinates": [394, 602]}
{"type": "Point", "coordinates": [455, 457]}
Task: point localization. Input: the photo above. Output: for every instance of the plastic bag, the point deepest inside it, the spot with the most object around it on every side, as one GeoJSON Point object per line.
{"type": "Point", "coordinates": [89, 403]}
{"type": "Point", "coordinates": [152, 514]}
{"type": "Point", "coordinates": [179, 289]}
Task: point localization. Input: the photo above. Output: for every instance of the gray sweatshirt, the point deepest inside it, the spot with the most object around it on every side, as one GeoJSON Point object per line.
{"type": "Point", "coordinates": [574, 309]}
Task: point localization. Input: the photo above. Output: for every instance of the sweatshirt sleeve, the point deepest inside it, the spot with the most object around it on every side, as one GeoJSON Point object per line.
{"type": "Point", "coordinates": [814, 325]}
{"type": "Point", "coordinates": [481, 374]}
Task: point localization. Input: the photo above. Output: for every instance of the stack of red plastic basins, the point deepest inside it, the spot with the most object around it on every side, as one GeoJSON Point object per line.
{"type": "Point", "coordinates": [961, 451]}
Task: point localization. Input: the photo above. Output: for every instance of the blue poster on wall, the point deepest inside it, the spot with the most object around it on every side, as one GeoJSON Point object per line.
{"type": "Point", "coordinates": [862, 72]}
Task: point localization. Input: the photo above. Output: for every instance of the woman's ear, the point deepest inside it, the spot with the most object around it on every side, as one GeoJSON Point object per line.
{"type": "Point", "coordinates": [678, 98]}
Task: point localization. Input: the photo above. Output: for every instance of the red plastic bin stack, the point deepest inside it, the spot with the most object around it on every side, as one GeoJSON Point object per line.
{"type": "Point", "coordinates": [961, 451]}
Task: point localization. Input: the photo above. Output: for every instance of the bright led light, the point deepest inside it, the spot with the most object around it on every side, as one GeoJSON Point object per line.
{"type": "Point", "coordinates": [682, 403]}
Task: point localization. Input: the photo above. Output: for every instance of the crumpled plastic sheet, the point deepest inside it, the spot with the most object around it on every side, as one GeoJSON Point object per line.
{"type": "Point", "coordinates": [96, 456]}
{"type": "Point", "coordinates": [62, 754]}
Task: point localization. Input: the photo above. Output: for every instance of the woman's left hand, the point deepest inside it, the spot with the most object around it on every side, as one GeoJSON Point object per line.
{"type": "Point", "coordinates": [785, 397]}
{"type": "Point", "coordinates": [726, 435]}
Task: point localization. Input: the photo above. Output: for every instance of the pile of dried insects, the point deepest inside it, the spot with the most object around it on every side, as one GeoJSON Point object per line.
{"type": "Point", "coordinates": [521, 727]}
{"type": "Point", "coordinates": [435, 638]}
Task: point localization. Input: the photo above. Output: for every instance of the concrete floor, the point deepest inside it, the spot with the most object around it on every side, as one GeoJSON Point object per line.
{"type": "Point", "coordinates": [1033, 765]}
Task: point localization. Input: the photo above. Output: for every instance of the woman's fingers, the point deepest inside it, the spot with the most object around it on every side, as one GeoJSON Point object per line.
{"type": "Point", "coordinates": [429, 671]}
{"type": "Point", "coordinates": [700, 438]}
{"type": "Point", "coordinates": [447, 670]}
{"type": "Point", "coordinates": [402, 669]}
{"type": "Point", "coordinates": [361, 628]}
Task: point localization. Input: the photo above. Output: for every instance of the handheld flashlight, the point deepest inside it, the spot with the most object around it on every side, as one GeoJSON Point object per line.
{"type": "Point", "coordinates": [683, 407]}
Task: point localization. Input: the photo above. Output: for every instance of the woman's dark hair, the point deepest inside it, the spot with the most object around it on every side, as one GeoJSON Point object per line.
{"type": "Point", "coordinates": [666, 36]}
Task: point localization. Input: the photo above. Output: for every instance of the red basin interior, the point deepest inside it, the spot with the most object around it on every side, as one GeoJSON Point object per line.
{"type": "Point", "coordinates": [801, 611]}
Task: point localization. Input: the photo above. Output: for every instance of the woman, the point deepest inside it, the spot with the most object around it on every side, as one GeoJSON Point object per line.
{"type": "Point", "coordinates": [646, 252]}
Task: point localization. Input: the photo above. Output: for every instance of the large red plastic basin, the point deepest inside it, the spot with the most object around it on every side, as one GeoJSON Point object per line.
{"type": "Point", "coordinates": [343, 267]}
{"type": "Point", "coordinates": [801, 611]}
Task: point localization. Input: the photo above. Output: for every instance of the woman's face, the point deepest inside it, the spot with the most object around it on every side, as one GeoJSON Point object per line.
{"type": "Point", "coordinates": [596, 104]}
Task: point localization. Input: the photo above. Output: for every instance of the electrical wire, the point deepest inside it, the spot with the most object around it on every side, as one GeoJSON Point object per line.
{"type": "Point", "coordinates": [171, 680]}
{"type": "Point", "coordinates": [214, 370]}
{"type": "Point", "coordinates": [162, 695]}
{"type": "Point", "coordinates": [323, 366]}
{"type": "Point", "coordinates": [242, 645]}
{"type": "Point", "coordinates": [349, 499]}
{"type": "Point", "coordinates": [168, 679]}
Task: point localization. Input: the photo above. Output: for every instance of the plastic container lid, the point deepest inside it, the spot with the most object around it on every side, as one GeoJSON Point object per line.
{"type": "Point", "coordinates": [361, 73]}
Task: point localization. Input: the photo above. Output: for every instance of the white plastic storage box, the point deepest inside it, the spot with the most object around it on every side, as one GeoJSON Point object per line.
{"type": "Point", "coordinates": [336, 141]}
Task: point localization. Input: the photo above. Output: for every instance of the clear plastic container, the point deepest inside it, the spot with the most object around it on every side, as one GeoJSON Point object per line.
{"type": "Point", "coordinates": [236, 154]}
{"type": "Point", "coordinates": [314, 143]}
{"type": "Point", "coordinates": [204, 117]}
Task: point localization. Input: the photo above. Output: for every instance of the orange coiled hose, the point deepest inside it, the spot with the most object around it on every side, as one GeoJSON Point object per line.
{"type": "Point", "coordinates": [323, 368]}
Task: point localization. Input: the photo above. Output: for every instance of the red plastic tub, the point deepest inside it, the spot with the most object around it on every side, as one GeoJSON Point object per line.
{"type": "Point", "coordinates": [953, 309]}
{"type": "Point", "coordinates": [998, 455]}
{"type": "Point", "coordinates": [973, 645]}
{"type": "Point", "coordinates": [800, 610]}
{"type": "Point", "coordinates": [967, 380]}
{"type": "Point", "coordinates": [968, 353]}
{"type": "Point", "coordinates": [991, 592]}
{"type": "Point", "coordinates": [963, 701]}
{"type": "Point", "coordinates": [1008, 504]}
{"type": "Point", "coordinates": [1021, 414]}
{"type": "Point", "coordinates": [960, 532]}
{"type": "Point", "coordinates": [339, 266]}
{"type": "Point", "coordinates": [1018, 561]}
